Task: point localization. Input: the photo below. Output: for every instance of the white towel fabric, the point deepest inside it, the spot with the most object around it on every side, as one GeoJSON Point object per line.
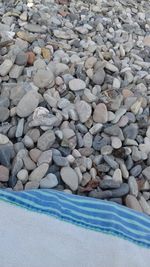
{"type": "Point", "coordinates": [29, 239]}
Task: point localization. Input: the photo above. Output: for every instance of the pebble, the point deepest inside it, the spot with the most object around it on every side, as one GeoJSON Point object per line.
{"type": "Point", "coordinates": [4, 173]}
{"type": "Point", "coordinates": [144, 205]}
{"type": "Point", "coordinates": [99, 76]}
{"type": "Point", "coordinates": [4, 114]}
{"type": "Point", "coordinates": [133, 186]}
{"type": "Point", "coordinates": [46, 140]}
{"type": "Point", "coordinates": [38, 173]}
{"type": "Point", "coordinates": [49, 181]}
{"type": "Point", "coordinates": [44, 78]}
{"type": "Point", "coordinates": [5, 67]}
{"type": "Point", "coordinates": [77, 84]}
{"type": "Point", "coordinates": [84, 111]}
{"type": "Point", "coordinates": [22, 175]}
{"type": "Point", "coordinates": [6, 154]}
{"type": "Point", "coordinates": [100, 113]}
{"type": "Point", "coordinates": [44, 157]}
{"type": "Point", "coordinates": [116, 142]}
{"type": "Point", "coordinates": [3, 139]}
{"type": "Point", "coordinates": [69, 177]}
{"type": "Point", "coordinates": [146, 173]}
{"type": "Point", "coordinates": [109, 184]}
{"type": "Point", "coordinates": [121, 191]}
{"type": "Point", "coordinates": [132, 202]}
{"type": "Point", "coordinates": [27, 104]}
{"type": "Point", "coordinates": [117, 176]}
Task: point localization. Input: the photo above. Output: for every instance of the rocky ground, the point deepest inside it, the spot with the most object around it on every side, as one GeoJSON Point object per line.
{"type": "Point", "coordinates": [75, 97]}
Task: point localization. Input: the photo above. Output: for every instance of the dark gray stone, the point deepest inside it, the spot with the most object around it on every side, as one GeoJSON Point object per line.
{"type": "Point", "coordinates": [121, 191]}
{"type": "Point", "coordinates": [109, 184]}
{"type": "Point", "coordinates": [103, 167]}
{"type": "Point", "coordinates": [129, 162]}
{"type": "Point", "coordinates": [101, 194]}
{"type": "Point", "coordinates": [12, 181]}
{"type": "Point", "coordinates": [6, 154]}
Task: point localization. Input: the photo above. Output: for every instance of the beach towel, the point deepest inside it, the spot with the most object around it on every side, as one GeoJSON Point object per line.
{"type": "Point", "coordinates": [48, 228]}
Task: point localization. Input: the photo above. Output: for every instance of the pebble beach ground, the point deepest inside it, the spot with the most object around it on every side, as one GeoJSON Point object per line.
{"type": "Point", "coordinates": [75, 98]}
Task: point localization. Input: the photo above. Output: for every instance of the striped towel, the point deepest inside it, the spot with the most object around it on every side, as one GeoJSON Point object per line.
{"type": "Point", "coordinates": [47, 228]}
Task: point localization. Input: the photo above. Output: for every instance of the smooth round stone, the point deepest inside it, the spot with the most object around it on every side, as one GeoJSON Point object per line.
{"type": "Point", "coordinates": [46, 140]}
{"type": "Point", "coordinates": [22, 175]}
{"type": "Point", "coordinates": [3, 139]}
{"type": "Point", "coordinates": [116, 142]}
{"type": "Point", "coordinates": [96, 128]}
{"type": "Point", "coordinates": [38, 173]}
{"type": "Point", "coordinates": [32, 185]}
{"type": "Point", "coordinates": [50, 181]}
{"type": "Point", "coordinates": [135, 171]}
{"type": "Point", "coordinates": [131, 131]}
{"type": "Point", "coordinates": [123, 121]}
{"type": "Point", "coordinates": [4, 114]}
{"type": "Point", "coordinates": [106, 150]}
{"type": "Point", "coordinates": [84, 110]}
{"type": "Point", "coordinates": [45, 157]}
{"type": "Point", "coordinates": [117, 176]}
{"type": "Point", "coordinates": [28, 142]}
{"type": "Point", "coordinates": [100, 113]}
{"type": "Point", "coordinates": [90, 62]}
{"type": "Point", "coordinates": [132, 202]}
{"type": "Point", "coordinates": [70, 177]}
{"type": "Point", "coordinates": [4, 173]}
{"type": "Point", "coordinates": [99, 76]}
{"type": "Point", "coordinates": [77, 85]}
{"type": "Point", "coordinates": [109, 184]}
{"type": "Point", "coordinates": [44, 78]}
{"type": "Point", "coordinates": [18, 186]}
{"type": "Point", "coordinates": [27, 104]}
{"type": "Point", "coordinates": [29, 164]}
{"type": "Point", "coordinates": [111, 162]}
{"type": "Point", "coordinates": [121, 191]}
{"type": "Point", "coordinates": [133, 186]}
{"type": "Point", "coordinates": [19, 130]}
{"type": "Point", "coordinates": [87, 139]}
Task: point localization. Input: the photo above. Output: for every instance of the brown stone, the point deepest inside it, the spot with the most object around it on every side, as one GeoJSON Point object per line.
{"type": "Point", "coordinates": [4, 173]}
{"type": "Point", "coordinates": [31, 58]}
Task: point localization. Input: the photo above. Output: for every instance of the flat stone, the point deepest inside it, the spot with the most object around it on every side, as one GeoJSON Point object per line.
{"type": "Point", "coordinates": [70, 177]}
{"type": "Point", "coordinates": [77, 84]}
{"type": "Point", "coordinates": [27, 104]}
{"type": "Point", "coordinates": [45, 157]}
{"type": "Point", "coordinates": [50, 181]}
{"type": "Point", "coordinates": [100, 113]}
{"type": "Point", "coordinates": [132, 202]}
{"type": "Point", "coordinates": [133, 186]}
{"type": "Point", "coordinates": [121, 191]}
{"type": "Point", "coordinates": [109, 184]}
{"type": "Point", "coordinates": [4, 173]}
{"type": "Point", "coordinates": [38, 173]}
{"type": "Point", "coordinates": [44, 78]}
{"type": "Point", "coordinates": [46, 140]}
{"type": "Point", "coordinates": [84, 110]}
{"type": "Point", "coordinates": [4, 114]}
{"type": "Point", "coordinates": [16, 71]}
{"type": "Point", "coordinates": [34, 28]}
{"type": "Point", "coordinates": [5, 67]}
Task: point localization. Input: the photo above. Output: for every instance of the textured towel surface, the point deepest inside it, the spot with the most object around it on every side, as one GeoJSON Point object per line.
{"type": "Point", "coordinates": [49, 228]}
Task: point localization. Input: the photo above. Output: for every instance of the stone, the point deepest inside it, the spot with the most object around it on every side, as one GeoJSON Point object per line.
{"type": "Point", "coordinates": [20, 126]}
{"type": "Point", "coordinates": [4, 114]}
{"type": "Point", "coordinates": [131, 131]}
{"type": "Point", "coordinates": [146, 41]}
{"type": "Point", "coordinates": [101, 194]}
{"type": "Point", "coordinates": [35, 28]}
{"type": "Point", "coordinates": [69, 177]}
{"type": "Point", "coordinates": [16, 71]}
{"type": "Point", "coordinates": [117, 176]}
{"type": "Point", "coordinates": [32, 185]}
{"type": "Point", "coordinates": [22, 175]}
{"type": "Point", "coordinates": [49, 181]}
{"type": "Point", "coordinates": [132, 202]}
{"type": "Point", "coordinates": [133, 186]}
{"type": "Point", "coordinates": [109, 184]}
{"type": "Point", "coordinates": [121, 191]}
{"type": "Point", "coordinates": [116, 142]}
{"type": "Point", "coordinates": [38, 173]}
{"type": "Point", "coordinates": [144, 205]}
{"type": "Point", "coordinates": [146, 173]}
{"type": "Point", "coordinates": [111, 162]}
{"type": "Point", "coordinates": [21, 59]}
{"type": "Point", "coordinates": [106, 150]}
{"type": "Point", "coordinates": [77, 85]}
{"type": "Point", "coordinates": [45, 157]}
{"type": "Point", "coordinates": [46, 140]}
{"type": "Point", "coordinates": [3, 139]}
{"type": "Point", "coordinates": [28, 163]}
{"type": "Point", "coordinates": [6, 154]}
{"type": "Point", "coordinates": [4, 174]}
{"type": "Point", "coordinates": [27, 104]}
{"type": "Point", "coordinates": [28, 142]}
{"type": "Point", "coordinates": [17, 165]}
{"type": "Point", "coordinates": [87, 139]}
{"type": "Point", "coordinates": [135, 171]}
{"type": "Point", "coordinates": [99, 76]}
{"type": "Point", "coordinates": [90, 62]}
{"type": "Point", "coordinates": [100, 114]}
{"type": "Point", "coordinates": [44, 78]}
{"type": "Point", "coordinates": [84, 110]}
{"type": "Point", "coordinates": [35, 154]}
{"type": "Point", "coordinates": [60, 161]}
{"type": "Point", "coordinates": [5, 67]}
{"type": "Point", "coordinates": [96, 128]}
{"type": "Point", "coordinates": [30, 58]}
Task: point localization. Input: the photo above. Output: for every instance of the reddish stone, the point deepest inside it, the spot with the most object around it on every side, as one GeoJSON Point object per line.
{"type": "Point", "coordinates": [31, 58]}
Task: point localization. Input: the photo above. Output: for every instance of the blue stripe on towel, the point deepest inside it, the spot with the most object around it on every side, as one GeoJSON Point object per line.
{"type": "Point", "coordinates": [90, 213]}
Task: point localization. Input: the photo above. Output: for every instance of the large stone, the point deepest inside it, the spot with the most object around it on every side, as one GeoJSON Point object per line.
{"type": "Point", "coordinates": [38, 173]}
{"type": "Point", "coordinates": [6, 154]}
{"type": "Point", "coordinates": [84, 110]}
{"type": "Point", "coordinates": [27, 104]}
{"type": "Point", "coordinates": [46, 140]}
{"type": "Point", "coordinates": [4, 114]}
{"type": "Point", "coordinates": [70, 177]}
{"type": "Point", "coordinates": [99, 76]}
{"type": "Point", "coordinates": [100, 113]}
{"type": "Point", "coordinates": [44, 78]}
{"type": "Point", "coordinates": [5, 67]}
{"type": "Point", "coordinates": [50, 181]}
{"type": "Point", "coordinates": [77, 85]}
